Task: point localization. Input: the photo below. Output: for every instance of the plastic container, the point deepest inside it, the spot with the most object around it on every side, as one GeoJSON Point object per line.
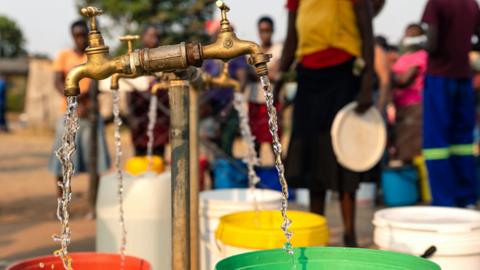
{"type": "Point", "coordinates": [214, 204]}
{"type": "Point", "coordinates": [316, 258]}
{"type": "Point", "coordinates": [258, 230]}
{"type": "Point", "coordinates": [139, 165]}
{"type": "Point", "coordinates": [400, 186]}
{"type": "Point", "coordinates": [147, 207]}
{"type": "Point", "coordinates": [269, 179]}
{"type": "Point", "coordinates": [229, 174]}
{"type": "Point", "coordinates": [454, 232]}
{"type": "Point", "coordinates": [83, 261]}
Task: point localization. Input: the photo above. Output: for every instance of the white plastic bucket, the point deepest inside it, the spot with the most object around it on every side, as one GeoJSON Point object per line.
{"type": "Point", "coordinates": [214, 204]}
{"type": "Point", "coordinates": [454, 232]}
{"type": "Point", "coordinates": [147, 207]}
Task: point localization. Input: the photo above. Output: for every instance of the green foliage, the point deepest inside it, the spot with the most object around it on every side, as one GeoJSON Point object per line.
{"type": "Point", "coordinates": [11, 38]}
{"type": "Point", "coordinates": [177, 20]}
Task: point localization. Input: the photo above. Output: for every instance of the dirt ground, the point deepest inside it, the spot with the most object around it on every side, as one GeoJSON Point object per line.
{"type": "Point", "coordinates": [27, 201]}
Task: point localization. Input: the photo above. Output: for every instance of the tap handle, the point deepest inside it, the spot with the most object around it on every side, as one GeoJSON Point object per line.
{"type": "Point", "coordinates": [223, 9]}
{"type": "Point", "coordinates": [129, 39]}
{"type": "Point", "coordinates": [92, 13]}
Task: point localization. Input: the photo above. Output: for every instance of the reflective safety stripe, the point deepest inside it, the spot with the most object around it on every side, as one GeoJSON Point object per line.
{"type": "Point", "coordinates": [436, 153]}
{"type": "Point", "coordinates": [462, 149]}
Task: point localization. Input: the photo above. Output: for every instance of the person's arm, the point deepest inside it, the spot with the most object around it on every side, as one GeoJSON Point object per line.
{"type": "Point", "coordinates": [363, 12]}
{"type": "Point", "coordinates": [405, 79]}
{"type": "Point", "coordinates": [59, 81]}
{"type": "Point", "coordinates": [383, 73]}
{"type": "Point", "coordinates": [430, 17]}
{"type": "Point", "coordinates": [288, 52]}
{"type": "Point", "coordinates": [476, 45]}
{"type": "Point", "coordinates": [432, 39]}
{"type": "Point", "coordinates": [290, 45]}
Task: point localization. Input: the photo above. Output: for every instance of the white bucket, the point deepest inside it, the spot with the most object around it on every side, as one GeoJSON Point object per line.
{"type": "Point", "coordinates": [454, 232]}
{"type": "Point", "coordinates": [147, 209]}
{"type": "Point", "coordinates": [214, 204]}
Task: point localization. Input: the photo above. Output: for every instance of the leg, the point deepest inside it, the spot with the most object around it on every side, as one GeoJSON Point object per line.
{"type": "Point", "coordinates": [462, 145]}
{"type": "Point", "coordinates": [347, 204]}
{"type": "Point", "coordinates": [317, 202]}
{"type": "Point", "coordinates": [436, 131]}
{"type": "Point", "coordinates": [92, 194]}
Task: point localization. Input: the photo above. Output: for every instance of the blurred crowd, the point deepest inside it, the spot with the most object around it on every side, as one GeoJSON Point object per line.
{"type": "Point", "coordinates": [425, 87]}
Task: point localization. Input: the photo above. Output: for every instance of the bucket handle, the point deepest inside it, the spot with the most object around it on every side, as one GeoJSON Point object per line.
{"type": "Point", "coordinates": [429, 252]}
{"type": "Point", "coordinates": [213, 247]}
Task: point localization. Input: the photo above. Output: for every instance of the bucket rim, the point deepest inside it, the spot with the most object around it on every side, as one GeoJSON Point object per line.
{"type": "Point", "coordinates": [381, 219]}
{"type": "Point", "coordinates": [83, 254]}
{"type": "Point", "coordinates": [235, 229]}
{"type": "Point", "coordinates": [257, 258]}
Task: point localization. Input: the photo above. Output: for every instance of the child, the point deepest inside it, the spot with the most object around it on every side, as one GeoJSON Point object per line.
{"type": "Point", "coordinates": [408, 75]}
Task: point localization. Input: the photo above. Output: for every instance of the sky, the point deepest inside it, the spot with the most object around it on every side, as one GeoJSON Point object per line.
{"type": "Point", "coordinates": [46, 23]}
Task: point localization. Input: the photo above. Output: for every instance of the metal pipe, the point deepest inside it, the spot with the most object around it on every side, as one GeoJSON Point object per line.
{"type": "Point", "coordinates": [179, 131]}
{"type": "Point", "coordinates": [194, 179]}
{"type": "Point", "coordinates": [93, 168]}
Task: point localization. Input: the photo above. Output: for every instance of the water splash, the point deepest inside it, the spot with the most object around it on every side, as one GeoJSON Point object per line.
{"type": "Point", "coordinates": [118, 169]}
{"type": "Point", "coordinates": [64, 154]}
{"type": "Point", "coordinates": [277, 150]}
{"type": "Point", "coordinates": [251, 159]}
{"type": "Point", "coordinates": [152, 118]}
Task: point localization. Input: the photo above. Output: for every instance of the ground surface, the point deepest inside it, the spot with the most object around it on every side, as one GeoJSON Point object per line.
{"type": "Point", "coordinates": [27, 202]}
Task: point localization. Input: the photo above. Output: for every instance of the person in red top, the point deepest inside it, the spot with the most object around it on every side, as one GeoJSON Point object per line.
{"type": "Point", "coordinates": [330, 75]}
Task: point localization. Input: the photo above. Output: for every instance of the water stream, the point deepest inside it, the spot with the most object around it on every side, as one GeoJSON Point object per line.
{"type": "Point", "coordinates": [152, 118]}
{"type": "Point", "coordinates": [64, 154]}
{"type": "Point", "coordinates": [118, 169]}
{"type": "Point", "coordinates": [251, 159]}
{"type": "Point", "coordinates": [277, 150]}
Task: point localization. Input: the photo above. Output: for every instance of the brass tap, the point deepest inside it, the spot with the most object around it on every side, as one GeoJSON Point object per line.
{"type": "Point", "coordinates": [99, 65]}
{"type": "Point", "coordinates": [228, 46]}
{"type": "Point", "coordinates": [223, 80]}
{"type": "Point", "coordinates": [117, 76]}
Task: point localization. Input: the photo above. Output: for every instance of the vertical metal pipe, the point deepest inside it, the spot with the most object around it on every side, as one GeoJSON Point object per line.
{"type": "Point", "coordinates": [179, 131]}
{"type": "Point", "coordinates": [93, 171]}
{"type": "Point", "coordinates": [194, 180]}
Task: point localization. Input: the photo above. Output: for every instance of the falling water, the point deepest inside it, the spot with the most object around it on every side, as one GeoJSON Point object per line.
{"type": "Point", "coordinates": [64, 154]}
{"type": "Point", "coordinates": [152, 118]}
{"type": "Point", "coordinates": [277, 150]}
{"type": "Point", "coordinates": [252, 157]}
{"type": "Point", "coordinates": [118, 169]}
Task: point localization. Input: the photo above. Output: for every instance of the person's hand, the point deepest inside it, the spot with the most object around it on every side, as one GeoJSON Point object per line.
{"type": "Point", "coordinates": [364, 98]}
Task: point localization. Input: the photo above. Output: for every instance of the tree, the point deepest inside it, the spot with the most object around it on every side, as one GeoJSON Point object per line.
{"type": "Point", "coordinates": [177, 20]}
{"type": "Point", "coordinates": [11, 38]}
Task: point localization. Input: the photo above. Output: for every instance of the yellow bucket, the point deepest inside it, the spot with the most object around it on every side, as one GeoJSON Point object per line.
{"type": "Point", "coordinates": [138, 165]}
{"type": "Point", "coordinates": [257, 230]}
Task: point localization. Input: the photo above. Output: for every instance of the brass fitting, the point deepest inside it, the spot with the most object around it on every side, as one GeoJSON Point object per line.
{"type": "Point", "coordinates": [228, 46]}
{"type": "Point", "coordinates": [117, 76]}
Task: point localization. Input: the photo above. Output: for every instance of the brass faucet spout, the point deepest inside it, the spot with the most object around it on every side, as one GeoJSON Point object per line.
{"type": "Point", "coordinates": [223, 80]}
{"type": "Point", "coordinates": [228, 46]}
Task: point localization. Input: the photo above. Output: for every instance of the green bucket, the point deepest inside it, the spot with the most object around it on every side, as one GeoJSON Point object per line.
{"type": "Point", "coordinates": [326, 258]}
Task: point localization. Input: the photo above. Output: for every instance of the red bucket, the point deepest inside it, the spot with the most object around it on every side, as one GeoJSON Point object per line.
{"type": "Point", "coordinates": [83, 261]}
